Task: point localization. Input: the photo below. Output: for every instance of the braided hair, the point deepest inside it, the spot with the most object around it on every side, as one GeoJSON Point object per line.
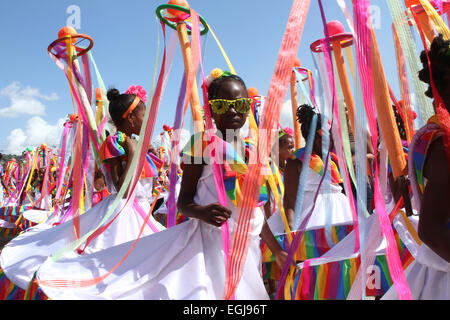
{"type": "Point", "coordinates": [439, 55]}
{"type": "Point", "coordinates": [305, 114]}
{"type": "Point", "coordinates": [119, 104]}
{"type": "Point", "coordinates": [216, 84]}
{"type": "Point", "coordinates": [400, 123]}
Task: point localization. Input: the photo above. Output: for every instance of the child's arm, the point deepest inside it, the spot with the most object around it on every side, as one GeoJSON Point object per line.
{"type": "Point", "coordinates": [268, 205]}
{"type": "Point", "coordinates": [291, 176]}
{"type": "Point", "coordinates": [214, 213]}
{"type": "Point", "coordinates": [2, 180]}
{"type": "Point", "coordinates": [434, 212]}
{"type": "Point", "coordinates": [271, 242]}
{"type": "Point", "coordinates": [118, 173]}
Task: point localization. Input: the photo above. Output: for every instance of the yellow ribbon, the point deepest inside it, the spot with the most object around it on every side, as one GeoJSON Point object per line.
{"type": "Point", "coordinates": [69, 68]}
{"type": "Point", "coordinates": [435, 19]}
{"type": "Point", "coordinates": [230, 66]}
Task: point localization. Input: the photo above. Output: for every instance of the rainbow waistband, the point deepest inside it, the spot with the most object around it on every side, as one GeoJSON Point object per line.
{"type": "Point", "coordinates": [314, 243]}
{"type": "Point", "coordinates": [333, 280]}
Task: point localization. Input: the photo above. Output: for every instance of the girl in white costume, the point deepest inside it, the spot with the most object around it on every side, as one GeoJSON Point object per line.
{"type": "Point", "coordinates": [331, 208]}
{"type": "Point", "coordinates": [331, 219]}
{"type": "Point", "coordinates": [21, 257]}
{"type": "Point", "coordinates": [286, 146]}
{"type": "Point", "coordinates": [424, 239]}
{"type": "Point", "coordinates": [429, 275]}
{"type": "Point", "coordinates": [185, 261]}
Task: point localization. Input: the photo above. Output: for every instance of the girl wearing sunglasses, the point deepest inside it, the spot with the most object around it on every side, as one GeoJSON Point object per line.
{"type": "Point", "coordinates": [26, 253]}
{"type": "Point", "coordinates": [230, 106]}
{"type": "Point", "coordinates": [184, 262]}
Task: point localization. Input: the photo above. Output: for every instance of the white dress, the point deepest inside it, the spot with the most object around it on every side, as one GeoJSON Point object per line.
{"type": "Point", "coordinates": [349, 278]}
{"type": "Point", "coordinates": [183, 262]}
{"type": "Point", "coordinates": [428, 275]}
{"type": "Point", "coordinates": [332, 207]}
{"type": "Point", "coordinates": [23, 255]}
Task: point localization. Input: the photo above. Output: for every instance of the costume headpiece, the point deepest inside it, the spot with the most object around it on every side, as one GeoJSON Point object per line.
{"type": "Point", "coordinates": [141, 95]}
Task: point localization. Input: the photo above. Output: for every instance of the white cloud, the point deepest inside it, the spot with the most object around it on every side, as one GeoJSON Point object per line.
{"type": "Point", "coordinates": [286, 119]}
{"type": "Point", "coordinates": [36, 132]}
{"type": "Point", "coordinates": [24, 101]}
{"type": "Point", "coordinates": [15, 142]}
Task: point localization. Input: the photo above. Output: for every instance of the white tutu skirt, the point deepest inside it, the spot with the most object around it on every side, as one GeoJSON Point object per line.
{"type": "Point", "coordinates": [331, 221]}
{"type": "Point", "coordinates": [36, 216]}
{"type": "Point", "coordinates": [183, 262]}
{"type": "Point", "coordinates": [331, 209]}
{"type": "Point", "coordinates": [23, 255]}
{"type": "Point", "coordinates": [428, 276]}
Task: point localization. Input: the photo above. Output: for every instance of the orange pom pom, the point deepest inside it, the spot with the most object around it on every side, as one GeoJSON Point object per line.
{"type": "Point", "coordinates": [412, 3]}
{"type": "Point", "coordinates": [181, 3]}
{"type": "Point", "coordinates": [98, 94]}
{"type": "Point", "coordinates": [67, 31]}
{"type": "Point", "coordinates": [296, 63]}
{"type": "Point", "coordinates": [43, 146]}
{"type": "Point", "coordinates": [252, 92]}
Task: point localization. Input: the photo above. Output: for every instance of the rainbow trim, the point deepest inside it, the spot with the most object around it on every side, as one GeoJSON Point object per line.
{"type": "Point", "coordinates": [316, 164]}
{"type": "Point", "coordinates": [13, 211]}
{"type": "Point", "coordinates": [152, 166]}
{"type": "Point", "coordinates": [333, 280]}
{"type": "Point", "coordinates": [14, 214]}
{"type": "Point", "coordinates": [419, 151]}
{"type": "Point", "coordinates": [9, 291]}
{"type": "Point", "coordinates": [312, 245]}
{"type": "Point", "coordinates": [34, 292]}
{"type": "Point", "coordinates": [112, 147]}
{"type": "Point", "coordinates": [234, 167]}
{"type": "Point", "coordinates": [162, 218]}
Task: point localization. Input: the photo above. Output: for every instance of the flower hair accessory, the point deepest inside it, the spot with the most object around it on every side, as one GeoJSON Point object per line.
{"type": "Point", "coordinates": [285, 131]}
{"type": "Point", "coordinates": [138, 91]}
{"type": "Point", "coordinates": [289, 131]}
{"type": "Point", "coordinates": [215, 74]}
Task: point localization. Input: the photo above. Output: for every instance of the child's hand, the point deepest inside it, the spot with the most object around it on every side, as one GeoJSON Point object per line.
{"type": "Point", "coordinates": [214, 214]}
{"type": "Point", "coordinates": [130, 145]}
{"type": "Point", "coordinates": [280, 259]}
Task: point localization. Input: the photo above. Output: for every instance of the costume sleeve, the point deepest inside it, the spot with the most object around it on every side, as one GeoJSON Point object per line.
{"type": "Point", "coordinates": [152, 166]}
{"type": "Point", "coordinates": [194, 149]}
{"type": "Point", "coordinates": [112, 147]}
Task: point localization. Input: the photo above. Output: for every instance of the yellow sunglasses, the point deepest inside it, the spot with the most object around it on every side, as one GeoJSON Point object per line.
{"type": "Point", "coordinates": [221, 106]}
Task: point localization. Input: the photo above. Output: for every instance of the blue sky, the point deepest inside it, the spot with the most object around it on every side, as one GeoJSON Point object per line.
{"type": "Point", "coordinates": [125, 35]}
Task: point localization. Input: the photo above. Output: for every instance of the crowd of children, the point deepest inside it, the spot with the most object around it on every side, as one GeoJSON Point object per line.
{"type": "Point", "coordinates": [107, 244]}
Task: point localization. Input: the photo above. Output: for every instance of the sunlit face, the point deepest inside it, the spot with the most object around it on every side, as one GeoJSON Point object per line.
{"type": "Point", "coordinates": [99, 183]}
{"type": "Point", "coordinates": [137, 118]}
{"type": "Point", "coordinates": [231, 120]}
{"type": "Point", "coordinates": [287, 147]}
